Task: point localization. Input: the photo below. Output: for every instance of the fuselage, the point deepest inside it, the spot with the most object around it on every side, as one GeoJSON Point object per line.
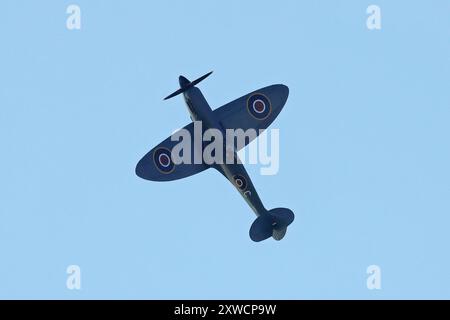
{"type": "Point", "coordinates": [235, 172]}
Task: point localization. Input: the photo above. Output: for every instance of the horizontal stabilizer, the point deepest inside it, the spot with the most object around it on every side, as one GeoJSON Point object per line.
{"type": "Point", "coordinates": [273, 224]}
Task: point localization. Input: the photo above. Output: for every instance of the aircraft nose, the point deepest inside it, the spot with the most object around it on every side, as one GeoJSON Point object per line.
{"type": "Point", "coordinates": [183, 81]}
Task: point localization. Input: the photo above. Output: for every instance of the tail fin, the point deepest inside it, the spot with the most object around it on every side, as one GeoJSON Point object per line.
{"type": "Point", "coordinates": [273, 224]}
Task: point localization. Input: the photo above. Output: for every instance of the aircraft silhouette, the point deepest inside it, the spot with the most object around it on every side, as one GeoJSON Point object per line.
{"type": "Point", "coordinates": [256, 110]}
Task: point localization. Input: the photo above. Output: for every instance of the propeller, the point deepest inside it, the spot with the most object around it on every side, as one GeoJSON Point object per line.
{"type": "Point", "coordinates": [185, 84]}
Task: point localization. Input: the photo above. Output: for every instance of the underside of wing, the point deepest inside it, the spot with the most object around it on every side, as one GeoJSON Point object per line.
{"type": "Point", "coordinates": [256, 110]}
{"type": "Point", "coordinates": [159, 165]}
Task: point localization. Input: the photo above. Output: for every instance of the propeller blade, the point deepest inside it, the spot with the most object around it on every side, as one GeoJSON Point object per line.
{"type": "Point", "coordinates": [187, 85]}
{"type": "Point", "coordinates": [193, 83]}
{"type": "Point", "coordinates": [174, 94]}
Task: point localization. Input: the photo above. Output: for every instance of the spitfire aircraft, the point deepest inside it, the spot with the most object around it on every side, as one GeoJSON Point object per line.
{"type": "Point", "coordinates": [256, 110]}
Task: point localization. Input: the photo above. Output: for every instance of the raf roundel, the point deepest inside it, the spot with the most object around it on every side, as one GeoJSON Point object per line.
{"type": "Point", "coordinates": [240, 182]}
{"type": "Point", "coordinates": [259, 106]}
{"type": "Point", "coordinates": [163, 160]}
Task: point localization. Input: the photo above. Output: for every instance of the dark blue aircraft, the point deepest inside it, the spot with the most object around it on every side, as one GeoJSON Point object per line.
{"type": "Point", "coordinates": [255, 110]}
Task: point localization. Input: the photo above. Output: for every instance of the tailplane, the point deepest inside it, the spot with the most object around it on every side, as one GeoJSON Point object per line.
{"type": "Point", "coordinates": [273, 224]}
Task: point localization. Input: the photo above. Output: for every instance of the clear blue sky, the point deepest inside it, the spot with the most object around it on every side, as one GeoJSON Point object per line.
{"type": "Point", "coordinates": [364, 149]}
